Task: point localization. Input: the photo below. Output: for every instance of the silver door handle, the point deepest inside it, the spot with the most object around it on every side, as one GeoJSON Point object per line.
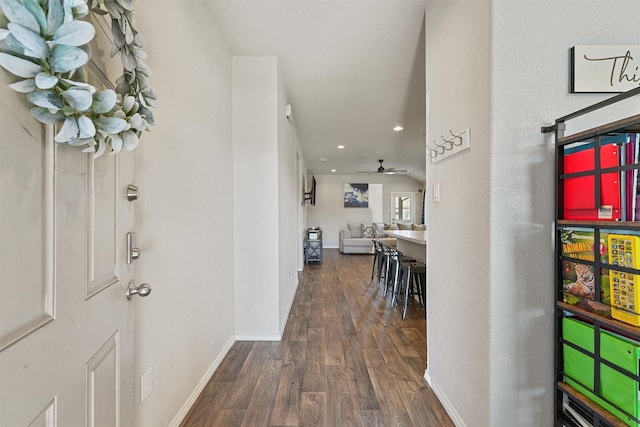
{"type": "Point", "coordinates": [143, 290]}
{"type": "Point", "coordinates": [133, 253]}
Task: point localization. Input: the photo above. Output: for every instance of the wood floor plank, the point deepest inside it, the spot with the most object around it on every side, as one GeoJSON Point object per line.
{"type": "Point", "coordinates": [287, 401]}
{"type": "Point", "coordinates": [233, 362]}
{"type": "Point", "coordinates": [313, 409]}
{"type": "Point", "coordinates": [387, 391]}
{"type": "Point", "coordinates": [418, 341]}
{"type": "Point", "coordinates": [421, 414]}
{"type": "Point", "coordinates": [402, 344]}
{"type": "Point", "coordinates": [228, 418]}
{"type": "Point", "coordinates": [362, 392]}
{"type": "Point", "coordinates": [246, 382]}
{"type": "Point", "coordinates": [314, 377]}
{"type": "Point", "coordinates": [299, 326]}
{"type": "Point", "coordinates": [316, 319]}
{"type": "Point", "coordinates": [368, 418]}
{"type": "Point", "coordinates": [339, 401]}
{"type": "Point", "coordinates": [209, 403]}
{"type": "Point", "coordinates": [346, 358]}
{"type": "Point", "coordinates": [259, 409]}
{"type": "Point", "coordinates": [333, 350]}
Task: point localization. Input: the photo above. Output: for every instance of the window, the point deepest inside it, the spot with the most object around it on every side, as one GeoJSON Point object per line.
{"type": "Point", "coordinates": [402, 205]}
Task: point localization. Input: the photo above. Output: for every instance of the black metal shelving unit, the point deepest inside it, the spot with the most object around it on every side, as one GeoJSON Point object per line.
{"type": "Point", "coordinates": [579, 403]}
{"type": "Point", "coordinates": [313, 246]}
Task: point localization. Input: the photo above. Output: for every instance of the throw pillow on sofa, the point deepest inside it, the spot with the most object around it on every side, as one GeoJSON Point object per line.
{"type": "Point", "coordinates": [356, 230]}
{"type": "Point", "coordinates": [378, 230]}
{"type": "Point", "coordinates": [404, 226]}
{"type": "Point", "coordinates": [367, 231]}
{"type": "Point", "coordinates": [391, 226]}
{"type": "Point", "coordinates": [420, 227]}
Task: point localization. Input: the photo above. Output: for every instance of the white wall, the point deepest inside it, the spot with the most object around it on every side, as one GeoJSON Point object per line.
{"type": "Point", "coordinates": [329, 212]}
{"type": "Point", "coordinates": [256, 202]}
{"type": "Point", "coordinates": [301, 173]}
{"type": "Point", "coordinates": [504, 72]}
{"type": "Point", "coordinates": [289, 203]}
{"type": "Point", "coordinates": [530, 88]}
{"type": "Point", "coordinates": [457, 49]}
{"type": "Point", "coordinates": [184, 214]}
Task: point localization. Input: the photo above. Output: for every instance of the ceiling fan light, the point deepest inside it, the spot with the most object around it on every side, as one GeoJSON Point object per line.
{"type": "Point", "coordinates": [398, 128]}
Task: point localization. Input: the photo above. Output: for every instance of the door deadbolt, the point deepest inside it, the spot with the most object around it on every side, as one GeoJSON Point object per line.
{"type": "Point", "coordinates": [132, 192]}
{"type": "Point", "coordinates": [133, 252]}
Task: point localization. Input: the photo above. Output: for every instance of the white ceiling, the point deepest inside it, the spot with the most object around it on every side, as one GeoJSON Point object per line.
{"type": "Point", "coordinates": [353, 70]}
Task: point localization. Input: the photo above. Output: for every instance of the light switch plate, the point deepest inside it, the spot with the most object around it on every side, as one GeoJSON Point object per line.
{"type": "Point", "coordinates": [435, 192]}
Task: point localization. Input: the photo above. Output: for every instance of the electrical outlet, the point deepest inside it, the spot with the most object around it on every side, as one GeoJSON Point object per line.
{"type": "Point", "coordinates": [146, 384]}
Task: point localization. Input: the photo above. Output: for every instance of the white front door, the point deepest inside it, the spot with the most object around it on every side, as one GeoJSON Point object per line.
{"type": "Point", "coordinates": [66, 326]}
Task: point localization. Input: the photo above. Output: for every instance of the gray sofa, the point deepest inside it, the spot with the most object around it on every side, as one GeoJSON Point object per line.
{"type": "Point", "coordinates": [357, 238]}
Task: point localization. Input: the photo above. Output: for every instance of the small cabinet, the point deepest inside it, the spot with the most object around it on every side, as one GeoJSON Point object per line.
{"type": "Point", "coordinates": [313, 245]}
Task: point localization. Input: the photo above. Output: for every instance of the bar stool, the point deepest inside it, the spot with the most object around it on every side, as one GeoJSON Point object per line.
{"type": "Point", "coordinates": [397, 261]}
{"type": "Point", "coordinates": [378, 260]}
{"type": "Point", "coordinates": [385, 267]}
{"type": "Point", "coordinates": [393, 270]}
{"type": "Point", "coordinates": [413, 272]}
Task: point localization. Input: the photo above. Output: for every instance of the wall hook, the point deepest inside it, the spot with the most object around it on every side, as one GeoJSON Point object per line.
{"type": "Point", "coordinates": [439, 146]}
{"type": "Point", "coordinates": [459, 143]}
{"type": "Point", "coordinates": [446, 141]}
{"type": "Point", "coordinates": [432, 152]}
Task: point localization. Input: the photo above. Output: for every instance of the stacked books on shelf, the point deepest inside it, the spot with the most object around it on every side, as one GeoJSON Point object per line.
{"type": "Point", "coordinates": [619, 287]}
{"type": "Point", "coordinates": [624, 285]}
{"type": "Point", "coordinates": [578, 275]}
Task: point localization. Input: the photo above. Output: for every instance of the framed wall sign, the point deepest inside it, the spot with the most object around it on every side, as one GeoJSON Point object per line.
{"type": "Point", "coordinates": [605, 69]}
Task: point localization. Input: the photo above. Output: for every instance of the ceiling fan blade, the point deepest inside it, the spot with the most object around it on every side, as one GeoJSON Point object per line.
{"type": "Point", "coordinates": [382, 169]}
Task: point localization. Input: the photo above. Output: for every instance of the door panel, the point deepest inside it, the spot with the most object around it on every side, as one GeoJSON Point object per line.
{"type": "Point", "coordinates": [66, 326]}
{"type": "Point", "coordinates": [103, 387]}
{"type": "Point", "coordinates": [102, 208]}
{"type": "Point", "coordinates": [26, 251]}
{"type": "Point", "coordinates": [74, 367]}
{"type": "Point", "coordinates": [46, 418]}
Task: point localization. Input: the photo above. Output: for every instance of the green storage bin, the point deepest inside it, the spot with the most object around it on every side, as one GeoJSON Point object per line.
{"type": "Point", "coordinates": [615, 387]}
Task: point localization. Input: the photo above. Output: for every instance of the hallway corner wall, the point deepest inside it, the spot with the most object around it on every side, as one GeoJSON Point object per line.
{"type": "Point", "coordinates": [184, 214]}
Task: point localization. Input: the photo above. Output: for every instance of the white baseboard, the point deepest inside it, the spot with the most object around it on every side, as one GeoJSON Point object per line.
{"type": "Point", "coordinates": [258, 338]}
{"type": "Point", "coordinates": [446, 403]}
{"type": "Point", "coordinates": [184, 410]}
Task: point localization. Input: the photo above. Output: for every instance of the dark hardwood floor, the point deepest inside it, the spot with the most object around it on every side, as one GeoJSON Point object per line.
{"type": "Point", "coordinates": [346, 359]}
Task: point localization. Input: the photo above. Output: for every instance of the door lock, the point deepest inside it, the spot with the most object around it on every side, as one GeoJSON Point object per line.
{"type": "Point", "coordinates": [143, 290]}
{"type": "Point", "coordinates": [132, 192]}
{"type": "Point", "coordinates": [133, 252]}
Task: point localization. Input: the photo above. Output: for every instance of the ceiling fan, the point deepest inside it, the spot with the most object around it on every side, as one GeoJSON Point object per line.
{"type": "Point", "coordinates": [382, 169]}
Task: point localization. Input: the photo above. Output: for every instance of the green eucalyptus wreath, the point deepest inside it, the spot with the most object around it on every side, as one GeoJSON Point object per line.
{"type": "Point", "coordinates": [46, 45]}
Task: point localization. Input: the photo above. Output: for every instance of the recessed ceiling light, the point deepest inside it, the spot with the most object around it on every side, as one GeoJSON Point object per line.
{"type": "Point", "coordinates": [340, 147]}
{"type": "Point", "coordinates": [323, 159]}
{"type": "Point", "coordinates": [398, 128]}
{"type": "Point", "coordinates": [333, 170]}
